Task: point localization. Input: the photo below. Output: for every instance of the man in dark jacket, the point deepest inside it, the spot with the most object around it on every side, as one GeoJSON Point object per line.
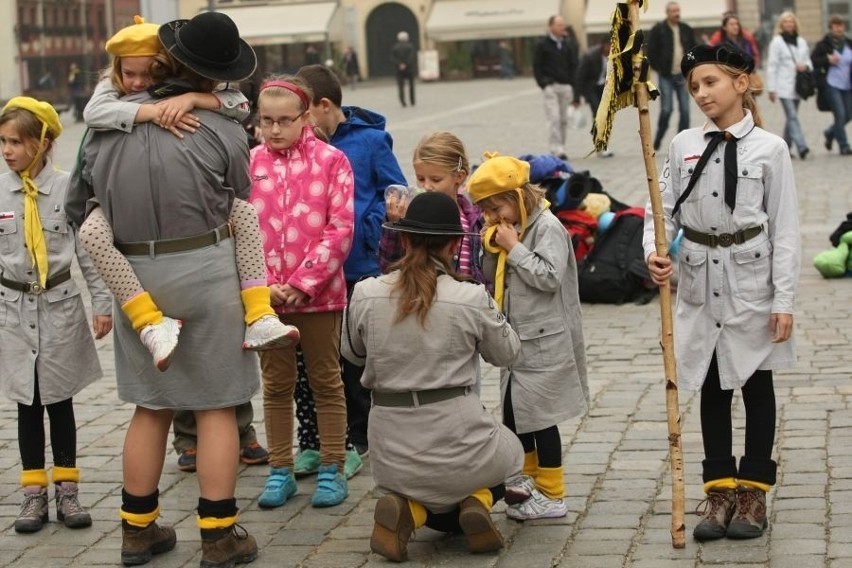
{"type": "Point", "coordinates": [832, 59]}
{"type": "Point", "coordinates": [403, 57]}
{"type": "Point", "coordinates": [554, 67]}
{"type": "Point", "coordinates": [667, 42]}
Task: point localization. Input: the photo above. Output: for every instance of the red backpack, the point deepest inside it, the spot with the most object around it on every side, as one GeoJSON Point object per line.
{"type": "Point", "coordinates": [582, 227]}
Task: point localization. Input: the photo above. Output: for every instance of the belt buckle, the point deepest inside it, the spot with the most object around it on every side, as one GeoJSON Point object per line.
{"type": "Point", "coordinates": [34, 288]}
{"type": "Point", "coordinates": [726, 239]}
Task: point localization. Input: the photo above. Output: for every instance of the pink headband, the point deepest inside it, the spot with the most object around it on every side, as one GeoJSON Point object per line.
{"type": "Point", "coordinates": [290, 87]}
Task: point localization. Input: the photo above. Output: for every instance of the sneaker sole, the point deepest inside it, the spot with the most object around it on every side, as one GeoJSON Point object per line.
{"type": "Point", "coordinates": [163, 364]}
{"type": "Point", "coordinates": [254, 461]}
{"type": "Point", "coordinates": [80, 521]}
{"type": "Point", "coordinates": [304, 472]}
{"type": "Point", "coordinates": [286, 340]}
{"type": "Point", "coordinates": [548, 515]}
{"type": "Point", "coordinates": [515, 497]}
{"type": "Point", "coordinates": [31, 525]}
{"type": "Point", "coordinates": [744, 531]}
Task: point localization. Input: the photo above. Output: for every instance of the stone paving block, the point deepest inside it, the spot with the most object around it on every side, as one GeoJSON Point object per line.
{"type": "Point", "coordinates": [797, 561]}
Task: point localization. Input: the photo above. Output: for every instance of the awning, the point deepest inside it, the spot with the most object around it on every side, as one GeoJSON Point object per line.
{"type": "Point", "coordinates": [283, 23]}
{"type": "Point", "coordinates": [459, 20]}
{"type": "Point", "coordinates": [696, 13]}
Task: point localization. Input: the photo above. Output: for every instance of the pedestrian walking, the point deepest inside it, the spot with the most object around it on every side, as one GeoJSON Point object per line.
{"type": "Point", "coordinates": [350, 67]}
{"type": "Point", "coordinates": [403, 56]}
{"type": "Point", "coordinates": [531, 261]}
{"type": "Point", "coordinates": [48, 354]}
{"type": "Point", "coordinates": [738, 271]}
{"type": "Point", "coordinates": [832, 60]}
{"type": "Point", "coordinates": [303, 191]}
{"type": "Point", "coordinates": [788, 55]}
{"type": "Point", "coordinates": [437, 454]}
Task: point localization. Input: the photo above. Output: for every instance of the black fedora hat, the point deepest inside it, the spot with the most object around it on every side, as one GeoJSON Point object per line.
{"type": "Point", "coordinates": [210, 45]}
{"type": "Point", "coordinates": [430, 213]}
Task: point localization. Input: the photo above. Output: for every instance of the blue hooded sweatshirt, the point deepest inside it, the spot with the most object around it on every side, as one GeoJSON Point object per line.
{"type": "Point", "coordinates": [362, 137]}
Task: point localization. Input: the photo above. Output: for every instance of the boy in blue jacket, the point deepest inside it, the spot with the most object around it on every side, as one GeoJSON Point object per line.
{"type": "Point", "coordinates": [360, 134]}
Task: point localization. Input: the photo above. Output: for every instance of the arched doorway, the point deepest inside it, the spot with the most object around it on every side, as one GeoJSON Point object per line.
{"type": "Point", "coordinates": [383, 24]}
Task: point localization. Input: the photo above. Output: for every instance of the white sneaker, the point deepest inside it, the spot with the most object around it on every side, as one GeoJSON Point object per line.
{"type": "Point", "coordinates": [537, 507]}
{"type": "Point", "coordinates": [519, 489]}
{"type": "Point", "coordinates": [269, 333]}
{"type": "Point", "coordinates": [161, 339]}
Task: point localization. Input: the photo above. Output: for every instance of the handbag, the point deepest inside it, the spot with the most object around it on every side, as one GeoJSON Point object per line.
{"type": "Point", "coordinates": [805, 82]}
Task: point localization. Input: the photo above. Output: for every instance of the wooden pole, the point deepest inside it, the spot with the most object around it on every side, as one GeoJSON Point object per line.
{"type": "Point", "coordinates": [678, 529]}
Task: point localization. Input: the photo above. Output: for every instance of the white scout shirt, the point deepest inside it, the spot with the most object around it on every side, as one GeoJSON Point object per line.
{"type": "Point", "coordinates": [726, 295]}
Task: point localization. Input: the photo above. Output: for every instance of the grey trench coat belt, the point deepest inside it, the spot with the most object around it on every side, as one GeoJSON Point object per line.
{"type": "Point", "coordinates": [417, 398]}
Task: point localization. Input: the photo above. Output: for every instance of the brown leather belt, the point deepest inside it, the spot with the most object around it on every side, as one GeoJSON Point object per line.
{"type": "Point", "coordinates": [723, 240]}
{"type": "Point", "coordinates": [417, 398]}
{"type": "Point", "coordinates": [35, 287]}
{"type": "Point", "coordinates": [154, 248]}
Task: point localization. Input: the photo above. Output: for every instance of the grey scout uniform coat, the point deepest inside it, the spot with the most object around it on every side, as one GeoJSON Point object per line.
{"type": "Point", "coordinates": [439, 453]}
{"type": "Point", "coordinates": [45, 335]}
{"type": "Point", "coordinates": [541, 302]}
{"type": "Point", "coordinates": [726, 295]}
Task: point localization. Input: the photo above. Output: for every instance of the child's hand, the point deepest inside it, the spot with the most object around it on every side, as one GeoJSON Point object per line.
{"type": "Point", "coordinates": [781, 327]}
{"type": "Point", "coordinates": [276, 295]}
{"type": "Point", "coordinates": [660, 268]}
{"type": "Point", "coordinates": [506, 236]}
{"type": "Point", "coordinates": [293, 297]}
{"type": "Point", "coordinates": [101, 325]}
{"type": "Point", "coordinates": [395, 208]}
{"type": "Point", "coordinates": [173, 109]}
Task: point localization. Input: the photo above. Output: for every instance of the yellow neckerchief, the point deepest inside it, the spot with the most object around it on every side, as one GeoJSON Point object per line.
{"type": "Point", "coordinates": [500, 274]}
{"type": "Point", "coordinates": [33, 232]}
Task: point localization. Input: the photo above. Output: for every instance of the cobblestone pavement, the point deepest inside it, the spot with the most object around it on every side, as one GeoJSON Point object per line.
{"type": "Point", "coordinates": [616, 461]}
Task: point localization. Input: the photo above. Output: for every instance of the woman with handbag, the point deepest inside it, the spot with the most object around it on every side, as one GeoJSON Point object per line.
{"type": "Point", "coordinates": [789, 56]}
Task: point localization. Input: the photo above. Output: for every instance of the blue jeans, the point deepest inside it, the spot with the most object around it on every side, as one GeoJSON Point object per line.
{"type": "Point", "coordinates": [668, 87]}
{"type": "Point", "coordinates": [792, 127]}
{"type": "Point", "coordinates": [840, 102]}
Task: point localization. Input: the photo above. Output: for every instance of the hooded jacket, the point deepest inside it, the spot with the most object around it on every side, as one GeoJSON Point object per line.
{"type": "Point", "coordinates": [369, 148]}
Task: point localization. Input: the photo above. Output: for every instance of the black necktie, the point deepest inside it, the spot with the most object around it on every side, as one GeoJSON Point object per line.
{"type": "Point", "coordinates": [730, 169]}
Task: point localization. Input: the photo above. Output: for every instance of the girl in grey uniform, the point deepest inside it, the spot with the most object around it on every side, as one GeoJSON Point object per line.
{"type": "Point", "coordinates": [438, 453]}
{"type": "Point", "coordinates": [47, 354]}
{"type": "Point", "coordinates": [739, 266]}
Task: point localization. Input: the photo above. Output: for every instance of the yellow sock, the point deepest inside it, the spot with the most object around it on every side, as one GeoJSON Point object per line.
{"type": "Point", "coordinates": [723, 483]}
{"type": "Point", "coordinates": [754, 485]}
{"type": "Point", "coordinates": [485, 497]}
{"type": "Point", "coordinates": [531, 464]}
{"type": "Point", "coordinates": [550, 482]}
{"type": "Point", "coordinates": [142, 311]}
{"type": "Point", "coordinates": [140, 520]}
{"type": "Point", "coordinates": [213, 523]}
{"type": "Point", "coordinates": [30, 477]}
{"type": "Point", "coordinates": [256, 303]}
{"type": "Point", "coordinates": [418, 513]}
{"type": "Point", "coordinates": [61, 474]}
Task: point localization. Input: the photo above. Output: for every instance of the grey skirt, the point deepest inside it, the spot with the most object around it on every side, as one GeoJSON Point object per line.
{"type": "Point", "coordinates": [209, 368]}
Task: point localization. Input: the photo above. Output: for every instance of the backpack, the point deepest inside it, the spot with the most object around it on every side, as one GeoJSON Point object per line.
{"type": "Point", "coordinates": [581, 226]}
{"type": "Point", "coordinates": [614, 272]}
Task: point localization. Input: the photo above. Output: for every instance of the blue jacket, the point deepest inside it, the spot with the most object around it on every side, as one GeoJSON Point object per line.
{"type": "Point", "coordinates": [362, 137]}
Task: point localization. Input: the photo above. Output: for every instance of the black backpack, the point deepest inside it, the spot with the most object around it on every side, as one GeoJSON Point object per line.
{"type": "Point", "coordinates": [614, 272]}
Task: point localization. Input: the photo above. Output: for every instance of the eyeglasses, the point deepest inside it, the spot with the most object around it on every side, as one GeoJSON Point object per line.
{"type": "Point", "coordinates": [283, 122]}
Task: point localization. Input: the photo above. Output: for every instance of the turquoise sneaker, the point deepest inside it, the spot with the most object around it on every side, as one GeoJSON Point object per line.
{"type": "Point", "coordinates": [307, 463]}
{"type": "Point", "coordinates": [331, 489]}
{"type": "Point", "coordinates": [280, 486]}
{"type": "Point", "coordinates": [353, 464]}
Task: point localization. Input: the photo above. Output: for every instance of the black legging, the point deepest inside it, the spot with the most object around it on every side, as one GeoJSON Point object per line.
{"type": "Point", "coordinates": [449, 522]}
{"type": "Point", "coordinates": [547, 442]}
{"type": "Point", "coordinates": [63, 432]}
{"type": "Point", "coordinates": [716, 428]}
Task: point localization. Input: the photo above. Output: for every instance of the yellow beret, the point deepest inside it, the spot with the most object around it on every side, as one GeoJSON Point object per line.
{"type": "Point", "coordinates": [42, 110]}
{"type": "Point", "coordinates": [138, 40]}
{"type": "Point", "coordinates": [497, 174]}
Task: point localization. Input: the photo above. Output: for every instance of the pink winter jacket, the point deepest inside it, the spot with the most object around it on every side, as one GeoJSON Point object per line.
{"type": "Point", "coordinates": [304, 200]}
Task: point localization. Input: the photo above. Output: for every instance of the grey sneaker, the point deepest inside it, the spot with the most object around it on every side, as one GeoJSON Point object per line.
{"type": "Point", "coordinates": [537, 506]}
{"type": "Point", "coordinates": [68, 508]}
{"type": "Point", "coordinates": [269, 333]}
{"type": "Point", "coordinates": [160, 340]}
{"type": "Point", "coordinates": [749, 518]}
{"type": "Point", "coordinates": [716, 511]}
{"type": "Point", "coordinates": [34, 509]}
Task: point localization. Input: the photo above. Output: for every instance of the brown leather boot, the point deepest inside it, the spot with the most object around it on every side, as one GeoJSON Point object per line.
{"type": "Point", "coordinates": [138, 545]}
{"type": "Point", "coordinates": [750, 516]}
{"type": "Point", "coordinates": [478, 528]}
{"type": "Point", "coordinates": [392, 528]}
{"type": "Point", "coordinates": [222, 548]}
{"type": "Point", "coordinates": [717, 513]}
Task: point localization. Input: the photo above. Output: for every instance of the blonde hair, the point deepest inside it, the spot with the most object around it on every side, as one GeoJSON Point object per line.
{"type": "Point", "coordinates": [532, 198]}
{"type": "Point", "coordinates": [295, 80]}
{"type": "Point", "coordinates": [749, 96]}
{"type": "Point", "coordinates": [418, 274]}
{"type": "Point", "coordinates": [161, 66]}
{"type": "Point", "coordinates": [443, 149]}
{"type": "Point", "coordinates": [788, 15]}
{"type": "Point", "coordinates": [29, 130]}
